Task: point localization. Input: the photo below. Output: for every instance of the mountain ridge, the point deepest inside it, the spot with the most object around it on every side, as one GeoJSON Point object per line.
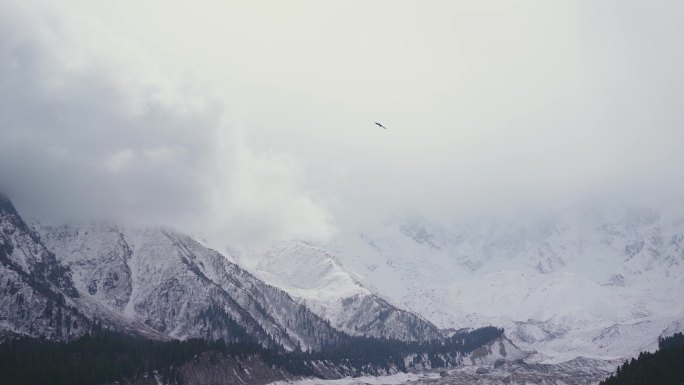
{"type": "Point", "coordinates": [158, 283]}
{"type": "Point", "coordinates": [552, 280]}
{"type": "Point", "coordinates": [324, 285]}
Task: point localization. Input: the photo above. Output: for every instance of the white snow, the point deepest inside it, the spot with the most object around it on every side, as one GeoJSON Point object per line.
{"type": "Point", "coordinates": [307, 272]}
{"type": "Point", "coordinates": [575, 282]}
{"type": "Point", "coordinates": [316, 278]}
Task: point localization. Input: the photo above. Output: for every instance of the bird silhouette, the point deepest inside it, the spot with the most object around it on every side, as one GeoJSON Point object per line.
{"type": "Point", "coordinates": [380, 125]}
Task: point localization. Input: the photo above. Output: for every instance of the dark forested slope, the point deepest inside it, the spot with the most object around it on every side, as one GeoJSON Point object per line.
{"type": "Point", "coordinates": [105, 357]}
{"type": "Point", "coordinates": [664, 367]}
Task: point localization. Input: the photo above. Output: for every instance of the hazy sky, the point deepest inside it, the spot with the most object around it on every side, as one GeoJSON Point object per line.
{"type": "Point", "coordinates": [251, 120]}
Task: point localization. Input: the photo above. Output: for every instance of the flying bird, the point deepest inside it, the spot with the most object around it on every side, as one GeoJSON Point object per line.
{"type": "Point", "coordinates": [380, 125]}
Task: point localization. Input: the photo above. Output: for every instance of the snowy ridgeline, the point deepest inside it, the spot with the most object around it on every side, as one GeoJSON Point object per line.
{"type": "Point", "coordinates": [580, 282]}
{"type": "Point", "coordinates": [58, 282]}
{"type": "Point", "coordinates": [600, 286]}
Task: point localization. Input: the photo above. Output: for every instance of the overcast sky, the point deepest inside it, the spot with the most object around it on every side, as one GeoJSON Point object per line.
{"type": "Point", "coordinates": [253, 120]}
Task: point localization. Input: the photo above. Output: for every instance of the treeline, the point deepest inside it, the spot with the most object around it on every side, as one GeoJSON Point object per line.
{"type": "Point", "coordinates": [105, 356]}
{"type": "Point", "coordinates": [664, 367]}
{"type": "Point", "coordinates": [359, 351]}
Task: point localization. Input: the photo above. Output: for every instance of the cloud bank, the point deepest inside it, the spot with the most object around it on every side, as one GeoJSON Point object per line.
{"type": "Point", "coordinates": [254, 121]}
{"type": "Point", "coordinates": [82, 142]}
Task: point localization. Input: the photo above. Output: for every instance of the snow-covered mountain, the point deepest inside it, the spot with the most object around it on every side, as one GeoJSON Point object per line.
{"type": "Point", "coordinates": [178, 287]}
{"type": "Point", "coordinates": [575, 282]}
{"type": "Point", "coordinates": [581, 282]}
{"type": "Point", "coordinates": [318, 280]}
{"type": "Point", "coordinates": [163, 284]}
{"type": "Point", "coordinates": [58, 281]}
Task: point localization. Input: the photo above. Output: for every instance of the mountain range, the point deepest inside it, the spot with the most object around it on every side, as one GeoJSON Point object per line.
{"type": "Point", "coordinates": [57, 281]}
{"type": "Point", "coordinates": [578, 283]}
{"type": "Point", "coordinates": [581, 281]}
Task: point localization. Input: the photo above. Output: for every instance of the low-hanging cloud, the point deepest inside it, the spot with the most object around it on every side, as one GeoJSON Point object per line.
{"type": "Point", "coordinates": [74, 146]}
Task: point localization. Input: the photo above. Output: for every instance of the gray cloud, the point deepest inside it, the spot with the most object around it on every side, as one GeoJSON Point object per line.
{"type": "Point", "coordinates": [76, 147]}
{"type": "Point", "coordinates": [249, 121]}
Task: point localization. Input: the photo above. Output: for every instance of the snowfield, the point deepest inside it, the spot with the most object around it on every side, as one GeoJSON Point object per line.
{"type": "Point", "coordinates": [574, 282]}
{"type": "Point", "coordinates": [318, 280]}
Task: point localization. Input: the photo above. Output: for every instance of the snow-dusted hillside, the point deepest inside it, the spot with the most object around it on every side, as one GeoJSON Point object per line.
{"type": "Point", "coordinates": [60, 282]}
{"type": "Point", "coordinates": [581, 282]}
{"type": "Point", "coordinates": [179, 288]}
{"type": "Point", "coordinates": [575, 282]}
{"type": "Point", "coordinates": [318, 280]}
